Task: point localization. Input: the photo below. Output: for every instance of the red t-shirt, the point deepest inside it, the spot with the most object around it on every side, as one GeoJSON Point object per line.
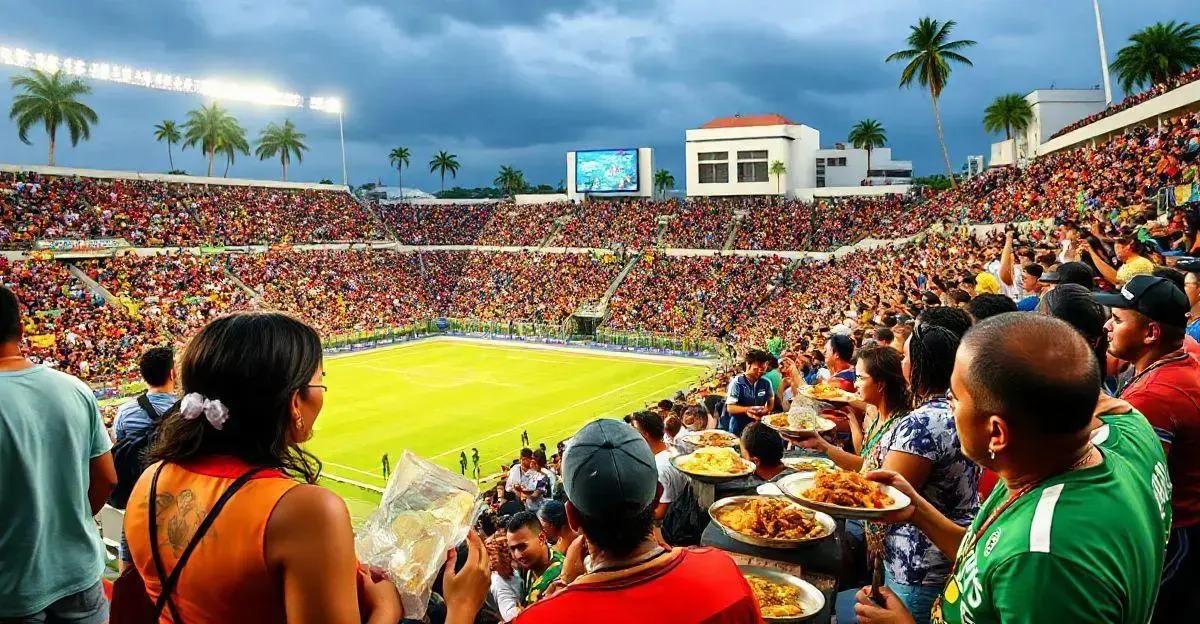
{"type": "Point", "coordinates": [1168, 393]}
{"type": "Point", "coordinates": [698, 586]}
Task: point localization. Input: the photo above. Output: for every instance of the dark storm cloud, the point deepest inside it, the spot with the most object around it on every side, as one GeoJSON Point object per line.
{"type": "Point", "coordinates": [501, 82]}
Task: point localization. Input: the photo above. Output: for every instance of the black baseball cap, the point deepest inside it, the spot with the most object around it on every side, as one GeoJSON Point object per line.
{"type": "Point", "coordinates": [1155, 297]}
{"type": "Point", "coordinates": [1070, 273]}
{"type": "Point", "coordinates": [609, 470]}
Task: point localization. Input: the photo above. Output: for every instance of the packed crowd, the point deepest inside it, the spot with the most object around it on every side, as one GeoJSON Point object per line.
{"type": "Point", "coordinates": [524, 286]}
{"type": "Point", "coordinates": [33, 206]}
{"type": "Point", "coordinates": [521, 225]}
{"type": "Point", "coordinates": [179, 292]}
{"type": "Point", "coordinates": [72, 329]}
{"type": "Point", "coordinates": [1187, 77]}
{"type": "Point", "coordinates": [153, 214]}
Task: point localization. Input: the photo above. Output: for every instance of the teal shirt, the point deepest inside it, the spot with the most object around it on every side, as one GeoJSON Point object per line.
{"type": "Point", "coordinates": [775, 378]}
{"type": "Point", "coordinates": [50, 430]}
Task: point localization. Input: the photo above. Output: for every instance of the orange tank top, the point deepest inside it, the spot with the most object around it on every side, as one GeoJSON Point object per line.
{"type": "Point", "coordinates": [226, 579]}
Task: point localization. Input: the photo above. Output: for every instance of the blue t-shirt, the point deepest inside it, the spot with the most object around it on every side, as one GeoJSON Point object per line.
{"type": "Point", "coordinates": [132, 419]}
{"type": "Point", "coordinates": [952, 487]}
{"type": "Point", "coordinates": [743, 392]}
{"type": "Point", "coordinates": [50, 430]}
{"type": "Point", "coordinates": [1028, 304]}
{"type": "Point", "coordinates": [1193, 329]}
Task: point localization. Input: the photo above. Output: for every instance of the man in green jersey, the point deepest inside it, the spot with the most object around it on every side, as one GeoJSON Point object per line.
{"type": "Point", "coordinates": [540, 564]}
{"type": "Point", "coordinates": [1076, 534]}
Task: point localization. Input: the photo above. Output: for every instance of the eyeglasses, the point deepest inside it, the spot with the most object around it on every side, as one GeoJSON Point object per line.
{"type": "Point", "coordinates": [321, 386]}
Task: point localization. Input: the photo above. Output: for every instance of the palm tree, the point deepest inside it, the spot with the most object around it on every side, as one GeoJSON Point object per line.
{"type": "Point", "coordinates": [399, 159]}
{"type": "Point", "coordinates": [283, 141]}
{"type": "Point", "coordinates": [1008, 112]}
{"type": "Point", "coordinates": [169, 132]}
{"type": "Point", "coordinates": [663, 182]}
{"type": "Point", "coordinates": [1156, 53]}
{"type": "Point", "coordinates": [778, 169]}
{"type": "Point", "coordinates": [51, 100]}
{"type": "Point", "coordinates": [510, 181]}
{"type": "Point", "coordinates": [868, 134]}
{"type": "Point", "coordinates": [215, 130]}
{"type": "Point", "coordinates": [929, 55]}
{"type": "Point", "coordinates": [442, 163]}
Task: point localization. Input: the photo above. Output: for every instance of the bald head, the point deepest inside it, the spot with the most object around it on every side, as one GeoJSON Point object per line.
{"type": "Point", "coordinates": [1036, 372]}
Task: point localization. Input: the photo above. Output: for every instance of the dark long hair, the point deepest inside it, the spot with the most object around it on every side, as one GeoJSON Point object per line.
{"type": "Point", "coordinates": [885, 366]}
{"type": "Point", "coordinates": [932, 349]}
{"type": "Point", "coordinates": [253, 363]}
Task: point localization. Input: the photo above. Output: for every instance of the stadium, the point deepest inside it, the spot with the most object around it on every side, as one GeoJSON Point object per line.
{"type": "Point", "coordinates": [811, 384]}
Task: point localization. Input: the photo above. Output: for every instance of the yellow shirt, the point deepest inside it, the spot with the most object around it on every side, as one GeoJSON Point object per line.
{"type": "Point", "coordinates": [1136, 266]}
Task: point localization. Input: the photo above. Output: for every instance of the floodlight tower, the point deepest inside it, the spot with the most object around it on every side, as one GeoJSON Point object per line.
{"type": "Point", "coordinates": [1103, 54]}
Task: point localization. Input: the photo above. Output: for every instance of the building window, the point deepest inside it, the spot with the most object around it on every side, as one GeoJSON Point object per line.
{"type": "Point", "coordinates": [752, 166]}
{"type": "Point", "coordinates": [890, 173]}
{"type": "Point", "coordinates": [714, 167]}
{"type": "Point", "coordinates": [835, 162]}
{"type": "Point", "coordinates": [820, 181]}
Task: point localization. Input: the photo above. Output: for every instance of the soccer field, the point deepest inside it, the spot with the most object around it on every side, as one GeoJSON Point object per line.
{"type": "Point", "coordinates": [440, 397]}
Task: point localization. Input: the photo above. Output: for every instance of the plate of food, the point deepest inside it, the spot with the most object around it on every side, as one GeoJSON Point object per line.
{"type": "Point", "coordinates": [843, 494]}
{"type": "Point", "coordinates": [710, 437]}
{"type": "Point", "coordinates": [770, 521]}
{"type": "Point", "coordinates": [782, 597]}
{"type": "Point", "coordinates": [810, 464]}
{"type": "Point", "coordinates": [829, 393]}
{"type": "Point", "coordinates": [713, 464]}
{"type": "Point", "coordinates": [798, 423]}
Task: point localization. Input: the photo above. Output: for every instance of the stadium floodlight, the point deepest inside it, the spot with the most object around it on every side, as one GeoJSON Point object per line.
{"type": "Point", "coordinates": [209, 87]}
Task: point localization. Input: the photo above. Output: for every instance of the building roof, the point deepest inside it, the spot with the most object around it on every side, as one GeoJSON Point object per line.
{"type": "Point", "coordinates": [744, 121]}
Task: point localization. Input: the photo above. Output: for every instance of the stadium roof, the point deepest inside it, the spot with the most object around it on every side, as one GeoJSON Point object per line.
{"type": "Point", "coordinates": [743, 121]}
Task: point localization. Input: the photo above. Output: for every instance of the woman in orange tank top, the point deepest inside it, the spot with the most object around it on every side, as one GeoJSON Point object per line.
{"type": "Point", "coordinates": [282, 548]}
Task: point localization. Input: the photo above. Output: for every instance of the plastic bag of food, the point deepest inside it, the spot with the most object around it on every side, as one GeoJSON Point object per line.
{"type": "Point", "coordinates": [425, 511]}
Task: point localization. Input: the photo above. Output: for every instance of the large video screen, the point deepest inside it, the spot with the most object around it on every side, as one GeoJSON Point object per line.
{"type": "Point", "coordinates": [606, 171]}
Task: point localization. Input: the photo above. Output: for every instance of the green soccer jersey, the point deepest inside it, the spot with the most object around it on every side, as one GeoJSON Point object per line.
{"type": "Point", "coordinates": [1083, 547]}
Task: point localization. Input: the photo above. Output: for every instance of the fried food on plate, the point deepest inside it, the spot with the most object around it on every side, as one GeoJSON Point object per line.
{"type": "Point", "coordinates": [847, 489]}
{"type": "Point", "coordinates": [771, 517]}
{"type": "Point", "coordinates": [715, 461]}
{"type": "Point", "coordinates": [776, 599]}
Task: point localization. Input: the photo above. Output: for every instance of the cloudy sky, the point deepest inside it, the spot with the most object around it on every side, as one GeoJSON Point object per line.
{"type": "Point", "coordinates": [520, 82]}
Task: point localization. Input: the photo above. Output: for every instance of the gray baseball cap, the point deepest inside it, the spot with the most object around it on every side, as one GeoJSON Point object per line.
{"type": "Point", "coordinates": [609, 470]}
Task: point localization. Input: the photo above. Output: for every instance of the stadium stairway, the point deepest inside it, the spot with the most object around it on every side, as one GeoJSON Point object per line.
{"type": "Point", "coordinates": [559, 222]}
{"type": "Point", "coordinates": [93, 285]}
{"type": "Point", "coordinates": [735, 226]}
{"type": "Point", "coordinates": [237, 281]}
{"type": "Point", "coordinates": [369, 209]}
{"type": "Point", "coordinates": [663, 222]}
{"type": "Point", "coordinates": [616, 283]}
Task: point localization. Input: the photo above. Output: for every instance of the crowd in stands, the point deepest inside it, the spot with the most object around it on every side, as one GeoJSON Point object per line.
{"type": "Point", "coordinates": [524, 286]}
{"type": "Point", "coordinates": [1187, 77]}
{"type": "Point", "coordinates": [1016, 384]}
{"type": "Point", "coordinates": [436, 224]}
{"type": "Point", "coordinates": [179, 291]}
{"type": "Point", "coordinates": [152, 214]}
{"type": "Point", "coordinates": [34, 206]}
{"type": "Point", "coordinates": [521, 225]}
{"type": "Point", "coordinates": [70, 328]}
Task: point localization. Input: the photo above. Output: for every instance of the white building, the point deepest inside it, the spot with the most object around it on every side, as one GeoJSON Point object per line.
{"type": "Point", "coordinates": [1053, 110]}
{"type": "Point", "coordinates": [733, 156]}
{"type": "Point", "coordinates": [843, 166]}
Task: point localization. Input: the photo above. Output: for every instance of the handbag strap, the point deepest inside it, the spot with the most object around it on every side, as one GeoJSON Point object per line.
{"type": "Point", "coordinates": [172, 580]}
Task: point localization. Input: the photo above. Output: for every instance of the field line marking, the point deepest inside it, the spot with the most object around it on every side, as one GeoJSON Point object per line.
{"type": "Point", "coordinates": [501, 343]}
{"type": "Point", "coordinates": [557, 412]}
{"type": "Point", "coordinates": [353, 469]}
{"type": "Point", "coordinates": [365, 486]}
{"type": "Point", "coordinates": [576, 427]}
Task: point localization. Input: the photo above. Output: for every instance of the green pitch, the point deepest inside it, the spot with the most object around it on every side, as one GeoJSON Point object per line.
{"type": "Point", "coordinates": [442, 397]}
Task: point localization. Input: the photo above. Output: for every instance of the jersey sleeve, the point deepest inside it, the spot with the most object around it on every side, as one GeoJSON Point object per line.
{"type": "Point", "coordinates": [731, 393]}
{"type": "Point", "coordinates": [1079, 597]}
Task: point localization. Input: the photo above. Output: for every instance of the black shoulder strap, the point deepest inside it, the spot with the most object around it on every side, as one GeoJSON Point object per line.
{"type": "Point", "coordinates": [168, 585]}
{"type": "Point", "coordinates": [143, 402]}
